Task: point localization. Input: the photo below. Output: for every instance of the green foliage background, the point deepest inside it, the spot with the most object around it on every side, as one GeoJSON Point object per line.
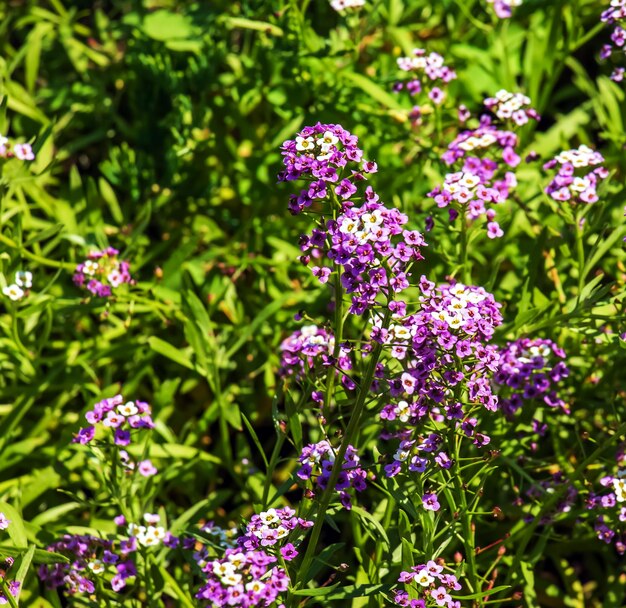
{"type": "Point", "coordinates": [157, 127]}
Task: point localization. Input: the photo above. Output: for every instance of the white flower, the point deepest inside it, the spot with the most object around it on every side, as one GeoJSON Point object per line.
{"type": "Point", "coordinates": [14, 292]}
{"type": "Point", "coordinates": [308, 330]}
{"type": "Point", "coordinates": [269, 517]}
{"type": "Point", "coordinates": [619, 486]}
{"type": "Point", "coordinates": [401, 455]}
{"type": "Point", "coordinates": [424, 579]}
{"type": "Point", "coordinates": [349, 226]}
{"type": "Point", "coordinates": [90, 267]}
{"type": "Point", "coordinates": [231, 579]}
{"type": "Point", "coordinates": [96, 566]}
{"type": "Point", "coordinates": [236, 559]}
{"type": "Point", "coordinates": [129, 409]}
{"type": "Point", "coordinates": [223, 569]}
{"type": "Point", "coordinates": [150, 518]}
{"type": "Point", "coordinates": [304, 143]}
{"type": "Point", "coordinates": [255, 586]}
{"type": "Point", "coordinates": [24, 279]}
{"type": "Point", "coordinates": [115, 278]}
{"type": "Point", "coordinates": [327, 140]}
{"type": "Point", "coordinates": [469, 180]}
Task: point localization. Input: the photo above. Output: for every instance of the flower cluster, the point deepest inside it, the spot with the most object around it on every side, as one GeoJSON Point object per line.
{"type": "Point", "coordinates": [90, 558]}
{"type": "Point", "coordinates": [329, 158]}
{"type": "Point", "coordinates": [244, 579]}
{"type": "Point", "coordinates": [511, 106]}
{"type": "Point", "coordinates": [13, 587]}
{"type": "Point", "coordinates": [466, 191]}
{"type": "Point", "coordinates": [270, 527]}
{"type": "Point", "coordinates": [23, 282]}
{"type": "Point", "coordinates": [372, 248]}
{"type": "Point", "coordinates": [428, 73]}
{"type": "Point", "coordinates": [504, 8]}
{"type": "Point", "coordinates": [431, 585]}
{"type": "Point", "coordinates": [609, 505]}
{"type": "Point", "coordinates": [149, 535]}
{"type": "Point", "coordinates": [414, 456]}
{"type": "Point", "coordinates": [310, 347]}
{"type": "Point", "coordinates": [477, 153]}
{"type": "Point", "coordinates": [119, 415]}
{"type": "Point", "coordinates": [481, 141]}
{"type": "Point", "coordinates": [342, 5]}
{"type": "Point", "coordinates": [615, 15]}
{"type": "Point", "coordinates": [575, 181]}
{"type": "Point", "coordinates": [102, 272]}
{"type": "Point", "coordinates": [444, 344]}
{"type": "Point", "coordinates": [530, 368]}
{"type": "Point", "coordinates": [317, 460]}
{"type": "Point", "coordinates": [19, 151]}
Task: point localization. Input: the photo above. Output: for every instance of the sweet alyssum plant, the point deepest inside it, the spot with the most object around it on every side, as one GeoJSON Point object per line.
{"type": "Point", "coordinates": [397, 412]}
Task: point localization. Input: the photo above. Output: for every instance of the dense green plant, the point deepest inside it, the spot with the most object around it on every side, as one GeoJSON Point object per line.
{"type": "Point", "coordinates": [156, 128]}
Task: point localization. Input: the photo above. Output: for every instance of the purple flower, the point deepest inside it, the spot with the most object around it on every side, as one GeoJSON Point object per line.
{"type": "Point", "coordinates": [288, 552]}
{"type": "Point", "coordinates": [146, 468]}
{"type": "Point", "coordinates": [102, 272]}
{"type": "Point", "coordinates": [430, 502]}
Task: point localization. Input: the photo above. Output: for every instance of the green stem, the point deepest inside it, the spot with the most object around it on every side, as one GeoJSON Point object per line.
{"type": "Point", "coordinates": [350, 434]}
{"type": "Point", "coordinates": [338, 332]}
{"type": "Point", "coordinates": [34, 257]}
{"type": "Point", "coordinates": [465, 269]}
{"type": "Point", "coordinates": [389, 511]}
{"type": "Point", "coordinates": [466, 522]}
{"type": "Point", "coordinates": [580, 255]}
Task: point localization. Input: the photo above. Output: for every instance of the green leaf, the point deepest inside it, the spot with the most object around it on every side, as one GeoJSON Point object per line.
{"type": "Point", "coordinates": [169, 351]}
{"type": "Point", "coordinates": [16, 528]}
{"type": "Point", "coordinates": [372, 89]}
{"type": "Point", "coordinates": [250, 24]}
{"type": "Point", "coordinates": [165, 25]}
{"type": "Point", "coordinates": [40, 556]}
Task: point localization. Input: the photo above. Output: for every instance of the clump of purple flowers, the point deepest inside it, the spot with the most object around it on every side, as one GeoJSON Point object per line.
{"type": "Point", "coordinates": [481, 179]}
{"type": "Point", "coordinates": [486, 139]}
{"type": "Point", "coordinates": [615, 15]}
{"type": "Point", "coordinates": [90, 558]}
{"type": "Point", "coordinates": [271, 527]}
{"type": "Point", "coordinates": [428, 73]}
{"type": "Point", "coordinates": [530, 368]}
{"type": "Point", "coordinates": [467, 193]}
{"type": "Point", "coordinates": [311, 349]}
{"type": "Point", "coordinates": [430, 584]}
{"type": "Point", "coordinates": [121, 416]}
{"type": "Point", "coordinates": [244, 579]}
{"type": "Point", "coordinates": [19, 151]}
{"type": "Point", "coordinates": [576, 180]}
{"type": "Point", "coordinates": [609, 505]}
{"type": "Point", "coordinates": [372, 248]}
{"type": "Point", "coordinates": [443, 346]}
{"type": "Point", "coordinates": [102, 272]}
{"type": "Point", "coordinates": [317, 460]}
{"type": "Point", "coordinates": [368, 245]}
{"type": "Point", "coordinates": [504, 8]}
{"type": "Point", "coordinates": [511, 106]}
{"type": "Point", "coordinates": [327, 156]}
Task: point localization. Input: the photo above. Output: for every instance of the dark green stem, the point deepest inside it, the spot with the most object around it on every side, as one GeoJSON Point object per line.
{"type": "Point", "coordinates": [350, 434]}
